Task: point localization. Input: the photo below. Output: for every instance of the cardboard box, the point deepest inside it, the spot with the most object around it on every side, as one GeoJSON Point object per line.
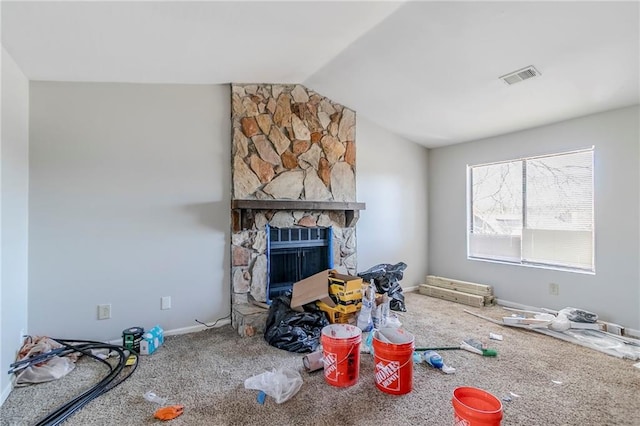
{"type": "Point", "coordinates": [335, 315]}
{"type": "Point", "coordinates": [342, 309]}
{"type": "Point", "coordinates": [345, 298]}
{"type": "Point", "coordinates": [316, 287]}
{"type": "Point", "coordinates": [349, 282]}
{"type": "Point", "coordinates": [311, 289]}
{"type": "Point", "coordinates": [151, 340]}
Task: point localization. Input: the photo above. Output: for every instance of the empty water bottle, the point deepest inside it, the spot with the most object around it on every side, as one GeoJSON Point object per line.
{"type": "Point", "coordinates": [433, 359]}
{"type": "Point", "coordinates": [364, 318]}
{"type": "Point", "coordinates": [365, 321]}
{"type": "Point", "coordinates": [384, 311]}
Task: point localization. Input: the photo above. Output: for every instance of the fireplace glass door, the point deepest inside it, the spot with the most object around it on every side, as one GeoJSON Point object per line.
{"type": "Point", "coordinates": [294, 254]}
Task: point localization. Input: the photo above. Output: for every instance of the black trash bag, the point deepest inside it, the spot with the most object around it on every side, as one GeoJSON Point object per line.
{"type": "Point", "coordinates": [373, 273]}
{"type": "Point", "coordinates": [386, 277]}
{"type": "Point", "coordinates": [396, 298]}
{"type": "Point", "coordinates": [291, 330]}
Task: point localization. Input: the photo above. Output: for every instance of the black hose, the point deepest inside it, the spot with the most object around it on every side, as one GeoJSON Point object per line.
{"type": "Point", "coordinates": [103, 386]}
{"type": "Point", "coordinates": [110, 381]}
{"type": "Point", "coordinates": [36, 359]}
{"type": "Point", "coordinates": [61, 413]}
{"type": "Point", "coordinates": [65, 411]}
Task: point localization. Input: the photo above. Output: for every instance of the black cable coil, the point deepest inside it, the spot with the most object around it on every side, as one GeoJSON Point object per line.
{"type": "Point", "coordinates": [110, 381]}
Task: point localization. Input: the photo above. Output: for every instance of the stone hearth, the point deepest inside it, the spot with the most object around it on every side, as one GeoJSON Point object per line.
{"type": "Point", "coordinates": [288, 144]}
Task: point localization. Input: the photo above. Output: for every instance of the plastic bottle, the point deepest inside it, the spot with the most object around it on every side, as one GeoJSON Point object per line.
{"type": "Point", "coordinates": [384, 310]}
{"type": "Point", "coordinates": [433, 359]}
{"type": "Point", "coordinates": [365, 321]}
{"type": "Point", "coordinates": [364, 317]}
{"type": "Point", "coordinates": [375, 316]}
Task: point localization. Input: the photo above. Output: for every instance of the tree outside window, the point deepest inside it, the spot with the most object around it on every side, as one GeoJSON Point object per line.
{"type": "Point", "coordinates": [536, 211]}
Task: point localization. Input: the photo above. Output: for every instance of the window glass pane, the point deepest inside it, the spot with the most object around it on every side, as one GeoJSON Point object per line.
{"type": "Point", "coordinates": [559, 192]}
{"type": "Point", "coordinates": [573, 249]}
{"type": "Point", "coordinates": [496, 247]}
{"type": "Point", "coordinates": [559, 216]}
{"type": "Point", "coordinates": [497, 199]}
{"type": "Point", "coordinates": [497, 211]}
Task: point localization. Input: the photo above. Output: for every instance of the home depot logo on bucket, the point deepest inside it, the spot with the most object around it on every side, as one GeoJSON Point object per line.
{"type": "Point", "coordinates": [393, 360]}
{"type": "Point", "coordinates": [461, 422]}
{"type": "Point", "coordinates": [387, 375]}
{"type": "Point", "coordinates": [331, 366]}
{"type": "Point", "coordinates": [341, 350]}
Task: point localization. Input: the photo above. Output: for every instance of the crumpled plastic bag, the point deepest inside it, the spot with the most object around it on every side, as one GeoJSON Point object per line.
{"type": "Point", "coordinates": [579, 315]}
{"type": "Point", "coordinates": [386, 278]}
{"type": "Point", "coordinates": [280, 384]}
{"type": "Point", "coordinates": [560, 323]}
{"type": "Point", "coordinates": [51, 369]}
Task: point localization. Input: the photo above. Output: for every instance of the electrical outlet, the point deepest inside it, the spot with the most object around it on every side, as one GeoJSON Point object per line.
{"type": "Point", "coordinates": [104, 311]}
{"type": "Point", "coordinates": [165, 302]}
{"type": "Point", "coordinates": [554, 289]}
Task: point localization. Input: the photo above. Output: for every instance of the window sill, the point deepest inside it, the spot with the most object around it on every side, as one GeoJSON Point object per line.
{"type": "Point", "coordinates": [535, 265]}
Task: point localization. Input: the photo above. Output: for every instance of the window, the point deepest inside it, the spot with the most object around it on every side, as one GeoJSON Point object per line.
{"type": "Point", "coordinates": [535, 211]}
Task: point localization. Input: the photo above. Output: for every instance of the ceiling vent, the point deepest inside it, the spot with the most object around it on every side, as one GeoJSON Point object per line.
{"type": "Point", "coordinates": [520, 75]}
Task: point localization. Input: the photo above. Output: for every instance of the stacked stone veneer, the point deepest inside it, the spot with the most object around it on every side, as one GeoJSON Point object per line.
{"type": "Point", "coordinates": [288, 143]}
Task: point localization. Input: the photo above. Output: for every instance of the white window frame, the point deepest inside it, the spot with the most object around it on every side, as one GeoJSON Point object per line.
{"type": "Point", "coordinates": [522, 262]}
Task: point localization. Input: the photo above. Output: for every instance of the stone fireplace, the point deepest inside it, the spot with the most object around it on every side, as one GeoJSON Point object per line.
{"type": "Point", "coordinates": [293, 177]}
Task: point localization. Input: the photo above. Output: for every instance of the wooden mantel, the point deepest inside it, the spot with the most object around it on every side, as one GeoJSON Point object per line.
{"type": "Point", "coordinates": [242, 210]}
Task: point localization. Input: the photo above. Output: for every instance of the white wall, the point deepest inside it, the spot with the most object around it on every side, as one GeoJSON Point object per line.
{"type": "Point", "coordinates": [392, 181]}
{"type": "Point", "coordinates": [14, 178]}
{"type": "Point", "coordinates": [614, 291]}
{"type": "Point", "coordinates": [129, 202]}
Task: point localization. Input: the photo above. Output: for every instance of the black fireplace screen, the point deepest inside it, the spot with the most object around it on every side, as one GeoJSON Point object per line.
{"type": "Point", "coordinates": [294, 254]}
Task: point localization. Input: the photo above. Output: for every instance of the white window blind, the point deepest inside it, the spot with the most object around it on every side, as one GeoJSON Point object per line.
{"type": "Point", "coordinates": [536, 211]}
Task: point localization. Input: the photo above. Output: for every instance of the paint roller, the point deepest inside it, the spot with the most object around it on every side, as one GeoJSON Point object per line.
{"type": "Point", "coordinates": [469, 345]}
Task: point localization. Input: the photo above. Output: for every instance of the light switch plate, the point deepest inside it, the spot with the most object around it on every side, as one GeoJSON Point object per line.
{"type": "Point", "coordinates": [165, 302]}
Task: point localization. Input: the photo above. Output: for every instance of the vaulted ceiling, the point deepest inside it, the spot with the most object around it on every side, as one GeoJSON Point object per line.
{"type": "Point", "coordinates": [428, 71]}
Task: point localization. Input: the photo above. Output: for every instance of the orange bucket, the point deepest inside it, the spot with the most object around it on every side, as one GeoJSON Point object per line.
{"type": "Point", "coordinates": [476, 407]}
{"type": "Point", "coordinates": [341, 352]}
{"type": "Point", "coordinates": [393, 359]}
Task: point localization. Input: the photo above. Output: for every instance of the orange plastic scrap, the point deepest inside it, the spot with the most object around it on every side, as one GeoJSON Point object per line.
{"type": "Point", "coordinates": [169, 412]}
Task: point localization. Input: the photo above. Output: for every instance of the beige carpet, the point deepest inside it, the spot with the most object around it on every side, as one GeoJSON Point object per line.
{"type": "Point", "coordinates": [558, 383]}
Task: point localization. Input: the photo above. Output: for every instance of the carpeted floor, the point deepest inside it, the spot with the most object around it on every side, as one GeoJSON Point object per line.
{"type": "Point", "coordinates": [550, 382]}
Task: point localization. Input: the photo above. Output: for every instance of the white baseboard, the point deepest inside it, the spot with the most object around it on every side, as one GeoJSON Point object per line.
{"type": "Point", "coordinates": [411, 289]}
{"type": "Point", "coordinates": [514, 305]}
{"type": "Point", "coordinates": [195, 328]}
{"type": "Point", "coordinates": [183, 330]}
{"type": "Point", "coordinates": [5, 393]}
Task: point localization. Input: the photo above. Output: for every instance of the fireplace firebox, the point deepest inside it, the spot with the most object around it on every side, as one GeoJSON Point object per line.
{"type": "Point", "coordinates": [294, 254]}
